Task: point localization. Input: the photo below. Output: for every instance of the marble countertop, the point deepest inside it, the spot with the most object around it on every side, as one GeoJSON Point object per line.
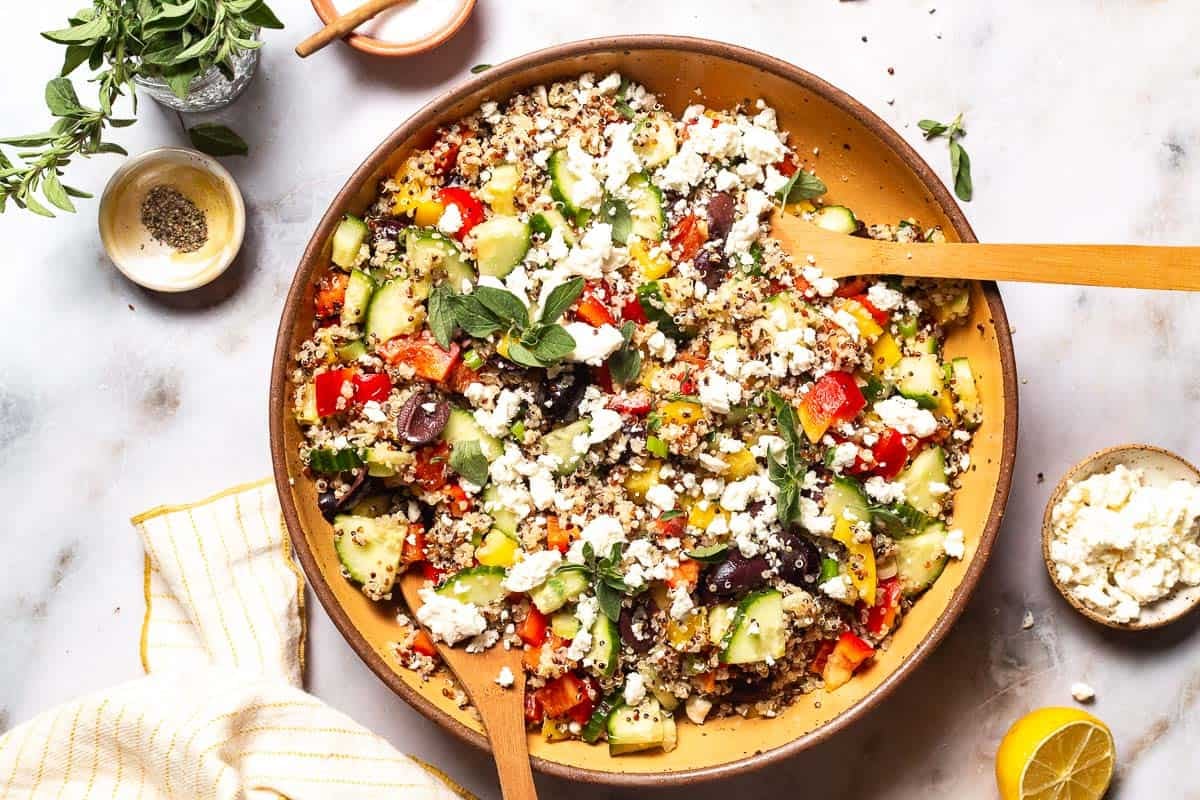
{"type": "Point", "coordinates": [1084, 125]}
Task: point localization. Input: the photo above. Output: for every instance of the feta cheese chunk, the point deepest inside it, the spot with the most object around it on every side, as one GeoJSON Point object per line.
{"type": "Point", "coordinates": [449, 620]}
{"type": "Point", "coordinates": [505, 679]}
{"type": "Point", "coordinates": [906, 416]}
{"type": "Point", "coordinates": [532, 570]}
{"type": "Point", "coordinates": [593, 345]}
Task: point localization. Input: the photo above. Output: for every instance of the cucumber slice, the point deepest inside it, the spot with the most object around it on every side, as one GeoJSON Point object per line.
{"type": "Point", "coordinates": [328, 460]}
{"type": "Point", "coordinates": [503, 519]}
{"type": "Point", "coordinates": [921, 379]}
{"type": "Point", "coordinates": [560, 443]}
{"type": "Point", "coordinates": [759, 630]}
{"type": "Point", "coordinates": [499, 190]}
{"type": "Point", "coordinates": [462, 427]}
{"type": "Point", "coordinates": [396, 309]}
{"type": "Point", "coordinates": [838, 219]}
{"type": "Point", "coordinates": [479, 585]}
{"type": "Point", "coordinates": [598, 721]}
{"type": "Point", "coordinates": [384, 462]}
{"type": "Point", "coordinates": [546, 222]}
{"type": "Point", "coordinates": [646, 208]}
{"type": "Point", "coordinates": [432, 253]}
{"type": "Point", "coordinates": [954, 307]}
{"type": "Point", "coordinates": [720, 617]}
{"type": "Point", "coordinates": [655, 684]}
{"type": "Point", "coordinates": [306, 411]}
{"type": "Point", "coordinates": [369, 549]}
{"type": "Point", "coordinates": [500, 244]}
{"type": "Point", "coordinates": [969, 407]}
{"type": "Point", "coordinates": [670, 733]}
{"type": "Point", "coordinates": [654, 140]}
{"type": "Point", "coordinates": [565, 624]}
{"type": "Point", "coordinates": [606, 645]}
{"type": "Point", "coordinates": [635, 728]}
{"type": "Point", "coordinates": [348, 240]}
{"type": "Point", "coordinates": [920, 559]}
{"type": "Point", "coordinates": [561, 588]}
{"type": "Point", "coordinates": [844, 497]}
{"type": "Point", "coordinates": [358, 297]}
{"type": "Point", "coordinates": [565, 183]}
{"type": "Point", "coordinates": [928, 467]}
{"type": "Point", "coordinates": [352, 352]}
{"type": "Point", "coordinates": [922, 343]}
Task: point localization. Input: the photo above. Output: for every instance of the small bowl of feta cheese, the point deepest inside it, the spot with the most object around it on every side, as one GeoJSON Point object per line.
{"type": "Point", "coordinates": [1121, 537]}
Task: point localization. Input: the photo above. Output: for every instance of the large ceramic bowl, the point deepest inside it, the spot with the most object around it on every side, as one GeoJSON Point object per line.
{"type": "Point", "coordinates": [869, 168]}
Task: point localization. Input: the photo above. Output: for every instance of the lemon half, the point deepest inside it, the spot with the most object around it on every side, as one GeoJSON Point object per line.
{"type": "Point", "coordinates": [1055, 754]}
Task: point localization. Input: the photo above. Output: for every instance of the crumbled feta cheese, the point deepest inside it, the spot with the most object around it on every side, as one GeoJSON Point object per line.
{"type": "Point", "coordinates": [844, 455]}
{"type": "Point", "coordinates": [496, 422]}
{"type": "Point", "coordinates": [593, 345]}
{"type": "Point", "coordinates": [1082, 692]}
{"type": "Point", "coordinates": [720, 141]}
{"type": "Point", "coordinates": [586, 190]}
{"type": "Point", "coordinates": [884, 297]}
{"type": "Point", "coordinates": [601, 533]}
{"type": "Point", "coordinates": [737, 494]}
{"type": "Point", "coordinates": [839, 588]}
{"type": "Point", "coordinates": [728, 444]}
{"type": "Point", "coordinates": [812, 519]}
{"type": "Point", "coordinates": [823, 286]}
{"type": "Point", "coordinates": [954, 545]}
{"type": "Point", "coordinates": [726, 181]}
{"type": "Point", "coordinates": [451, 221]}
{"type": "Point", "coordinates": [746, 229]}
{"type": "Point", "coordinates": [712, 463]}
{"type": "Point", "coordinates": [681, 602]}
{"type": "Point", "coordinates": [1027, 620]}
{"type": "Point", "coordinates": [884, 491]}
{"type": "Point", "coordinates": [532, 570]}
{"type": "Point", "coordinates": [373, 411]}
{"type": "Point", "coordinates": [542, 487]}
{"type": "Point", "coordinates": [761, 146]}
{"type": "Point", "coordinates": [505, 679]}
{"type": "Point", "coordinates": [773, 181]}
{"type": "Point", "coordinates": [635, 689]}
{"type": "Point", "coordinates": [718, 393]}
{"type": "Point", "coordinates": [697, 707]}
{"type": "Point", "coordinates": [581, 643]}
{"type": "Point", "coordinates": [684, 170]}
{"type": "Point", "coordinates": [447, 619]}
{"type": "Point", "coordinates": [906, 416]}
{"type": "Point", "coordinates": [609, 84]}
{"type": "Point", "coordinates": [660, 495]}
{"type": "Point", "coordinates": [621, 160]}
{"type": "Point", "coordinates": [661, 345]}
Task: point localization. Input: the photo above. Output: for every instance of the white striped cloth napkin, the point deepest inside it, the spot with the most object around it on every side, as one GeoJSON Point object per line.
{"type": "Point", "coordinates": [220, 713]}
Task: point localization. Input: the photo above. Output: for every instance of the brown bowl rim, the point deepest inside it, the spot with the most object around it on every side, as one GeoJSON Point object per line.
{"type": "Point", "coordinates": [381, 47]}
{"type": "Point", "coordinates": [760, 61]}
{"type": "Point", "coordinates": [1063, 484]}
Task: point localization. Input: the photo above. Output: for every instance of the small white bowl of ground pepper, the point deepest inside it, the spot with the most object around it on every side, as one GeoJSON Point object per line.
{"type": "Point", "coordinates": [172, 219]}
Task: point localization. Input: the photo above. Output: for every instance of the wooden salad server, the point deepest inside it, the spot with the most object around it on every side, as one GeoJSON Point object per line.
{"type": "Point", "coordinates": [502, 709]}
{"type": "Point", "coordinates": [1121, 265]}
{"type": "Point", "coordinates": [343, 25]}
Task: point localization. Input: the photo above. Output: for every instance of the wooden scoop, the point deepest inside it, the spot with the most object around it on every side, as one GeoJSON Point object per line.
{"type": "Point", "coordinates": [502, 710]}
{"type": "Point", "coordinates": [1122, 265]}
{"type": "Point", "coordinates": [343, 25]}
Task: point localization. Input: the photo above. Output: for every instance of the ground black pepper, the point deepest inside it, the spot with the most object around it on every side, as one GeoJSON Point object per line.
{"type": "Point", "coordinates": [173, 219]}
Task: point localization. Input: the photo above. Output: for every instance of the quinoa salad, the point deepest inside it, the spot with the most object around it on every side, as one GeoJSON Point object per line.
{"type": "Point", "coordinates": [561, 370]}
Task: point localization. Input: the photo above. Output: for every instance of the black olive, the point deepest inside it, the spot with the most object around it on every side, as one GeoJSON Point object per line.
{"type": "Point", "coordinates": [799, 560]}
{"type": "Point", "coordinates": [736, 575]}
{"type": "Point", "coordinates": [712, 268]}
{"type": "Point", "coordinates": [420, 424]}
{"type": "Point", "coordinates": [750, 689]}
{"type": "Point", "coordinates": [330, 504]}
{"type": "Point", "coordinates": [720, 215]}
{"type": "Point", "coordinates": [386, 227]}
{"type": "Point", "coordinates": [561, 395]}
{"type": "Point", "coordinates": [631, 622]}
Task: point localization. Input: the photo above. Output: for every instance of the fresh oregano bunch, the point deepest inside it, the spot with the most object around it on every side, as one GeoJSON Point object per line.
{"type": "Point", "coordinates": [118, 40]}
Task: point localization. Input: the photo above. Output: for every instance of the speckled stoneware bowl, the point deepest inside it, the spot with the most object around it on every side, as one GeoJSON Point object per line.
{"type": "Point", "coordinates": [870, 169]}
{"type": "Point", "coordinates": [1160, 467]}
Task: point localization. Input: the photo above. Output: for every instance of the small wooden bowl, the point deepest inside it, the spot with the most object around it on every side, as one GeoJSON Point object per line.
{"type": "Point", "coordinates": [1161, 467]}
{"type": "Point", "coordinates": [381, 47]}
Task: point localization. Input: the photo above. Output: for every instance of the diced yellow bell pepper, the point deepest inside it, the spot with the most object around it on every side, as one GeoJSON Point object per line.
{"type": "Point", "coordinates": [861, 564]}
{"type": "Point", "coordinates": [885, 353]}
{"type": "Point", "coordinates": [503, 345]}
{"type": "Point", "coordinates": [651, 267]}
{"type": "Point", "coordinates": [868, 328]}
{"type": "Point", "coordinates": [497, 550]}
{"type": "Point", "coordinates": [427, 213]}
{"type": "Point", "coordinates": [682, 412]}
{"type": "Point", "coordinates": [803, 207]}
{"type": "Point", "coordinates": [945, 406]}
{"type": "Point", "coordinates": [411, 190]}
{"type": "Point", "coordinates": [556, 730]}
{"type": "Point", "coordinates": [502, 188]}
{"type": "Point", "coordinates": [814, 428]}
{"type": "Point", "coordinates": [740, 464]}
{"type": "Point", "coordinates": [702, 514]}
{"type": "Point", "coordinates": [649, 372]}
{"type": "Point", "coordinates": [689, 633]}
{"type": "Point", "coordinates": [638, 482]}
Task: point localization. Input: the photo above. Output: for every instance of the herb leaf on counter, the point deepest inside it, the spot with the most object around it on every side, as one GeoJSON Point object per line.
{"type": "Point", "coordinates": [960, 162]}
{"type": "Point", "coordinates": [217, 140]}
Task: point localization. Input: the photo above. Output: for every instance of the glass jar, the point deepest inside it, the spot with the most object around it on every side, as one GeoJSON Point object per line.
{"type": "Point", "coordinates": [208, 91]}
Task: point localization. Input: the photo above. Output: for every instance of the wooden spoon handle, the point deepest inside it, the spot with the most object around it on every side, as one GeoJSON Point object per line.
{"type": "Point", "coordinates": [342, 26]}
{"type": "Point", "coordinates": [505, 723]}
{"type": "Point", "coordinates": [1132, 266]}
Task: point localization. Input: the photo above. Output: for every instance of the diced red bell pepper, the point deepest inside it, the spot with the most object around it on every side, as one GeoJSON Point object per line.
{"type": "Point", "coordinates": [851, 287]}
{"type": "Point", "coordinates": [375, 386]}
{"type": "Point", "coordinates": [424, 645]}
{"type": "Point", "coordinates": [423, 354]}
{"type": "Point", "coordinates": [848, 655]}
{"type": "Point", "coordinates": [562, 694]}
{"type": "Point", "coordinates": [533, 629]}
{"type": "Point", "coordinates": [430, 468]}
{"type": "Point", "coordinates": [686, 574]}
{"type": "Point", "coordinates": [835, 397]}
{"type": "Point", "coordinates": [331, 294]}
{"type": "Point", "coordinates": [890, 454]}
{"type": "Point", "coordinates": [413, 549]}
{"type": "Point", "coordinates": [880, 617]}
{"type": "Point", "coordinates": [558, 537]}
{"type": "Point", "coordinates": [533, 709]}
{"type": "Point", "coordinates": [592, 307]}
{"type": "Point", "coordinates": [470, 209]}
{"type": "Point", "coordinates": [582, 712]}
{"type": "Point", "coordinates": [432, 573]}
{"type": "Point", "coordinates": [876, 313]}
{"type": "Point", "coordinates": [672, 527]}
{"type": "Point", "coordinates": [821, 657]}
{"type": "Point", "coordinates": [602, 377]}
{"type": "Point", "coordinates": [687, 386]}
{"type": "Point", "coordinates": [632, 311]}
{"type": "Point", "coordinates": [457, 501]}
{"type": "Point", "coordinates": [460, 377]}
{"type": "Point", "coordinates": [328, 388]}
{"type": "Point", "coordinates": [688, 236]}
{"type": "Point", "coordinates": [788, 166]}
{"type": "Point", "coordinates": [446, 159]}
{"type": "Point", "coordinates": [636, 403]}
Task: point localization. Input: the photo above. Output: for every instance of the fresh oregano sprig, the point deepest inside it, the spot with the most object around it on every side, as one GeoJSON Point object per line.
{"type": "Point", "coordinates": [120, 40]}
{"type": "Point", "coordinates": [788, 474]}
{"type": "Point", "coordinates": [607, 579]}
{"type": "Point", "coordinates": [960, 162]}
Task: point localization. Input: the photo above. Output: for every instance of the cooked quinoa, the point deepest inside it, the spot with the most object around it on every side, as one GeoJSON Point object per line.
{"type": "Point", "coordinates": [561, 368]}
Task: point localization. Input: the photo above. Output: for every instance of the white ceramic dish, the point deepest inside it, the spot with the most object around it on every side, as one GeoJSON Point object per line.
{"type": "Point", "coordinates": [150, 263]}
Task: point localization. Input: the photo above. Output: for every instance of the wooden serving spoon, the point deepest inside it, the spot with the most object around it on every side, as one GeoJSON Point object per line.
{"type": "Point", "coordinates": [1122, 265]}
{"type": "Point", "coordinates": [343, 25]}
{"type": "Point", "coordinates": [502, 710]}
